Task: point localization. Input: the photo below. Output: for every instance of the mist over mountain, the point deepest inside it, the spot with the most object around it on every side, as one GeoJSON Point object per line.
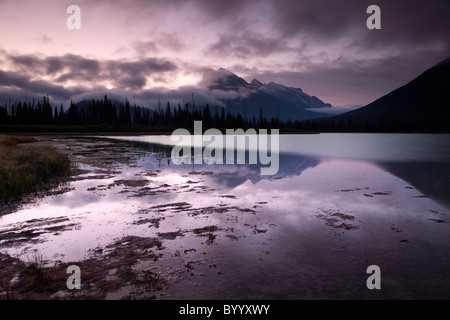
{"type": "Point", "coordinates": [274, 100]}
{"type": "Point", "coordinates": [224, 89]}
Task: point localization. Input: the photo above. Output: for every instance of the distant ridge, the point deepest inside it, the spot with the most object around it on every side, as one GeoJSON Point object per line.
{"type": "Point", "coordinates": [423, 104]}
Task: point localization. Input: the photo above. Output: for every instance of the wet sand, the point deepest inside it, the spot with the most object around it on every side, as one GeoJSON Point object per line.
{"type": "Point", "coordinates": [140, 227]}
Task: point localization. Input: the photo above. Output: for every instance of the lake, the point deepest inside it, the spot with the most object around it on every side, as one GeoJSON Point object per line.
{"type": "Point", "coordinates": [338, 204]}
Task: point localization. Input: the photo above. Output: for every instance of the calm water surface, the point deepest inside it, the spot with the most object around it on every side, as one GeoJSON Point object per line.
{"type": "Point", "coordinates": [339, 203]}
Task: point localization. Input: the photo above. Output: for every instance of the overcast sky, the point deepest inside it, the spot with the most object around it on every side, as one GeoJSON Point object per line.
{"type": "Point", "coordinates": [139, 47]}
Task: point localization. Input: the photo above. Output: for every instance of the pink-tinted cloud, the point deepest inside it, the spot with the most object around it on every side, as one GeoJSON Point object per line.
{"type": "Point", "coordinates": [322, 46]}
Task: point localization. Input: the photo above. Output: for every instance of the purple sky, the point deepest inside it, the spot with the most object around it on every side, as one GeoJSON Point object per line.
{"type": "Point", "coordinates": [140, 47]}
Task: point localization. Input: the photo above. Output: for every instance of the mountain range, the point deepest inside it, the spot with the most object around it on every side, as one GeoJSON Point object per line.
{"type": "Point", "coordinates": [225, 89]}
{"type": "Point", "coordinates": [423, 104]}
{"type": "Point", "coordinates": [273, 99]}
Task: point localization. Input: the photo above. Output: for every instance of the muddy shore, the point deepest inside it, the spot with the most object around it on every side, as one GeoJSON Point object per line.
{"type": "Point", "coordinates": [127, 267]}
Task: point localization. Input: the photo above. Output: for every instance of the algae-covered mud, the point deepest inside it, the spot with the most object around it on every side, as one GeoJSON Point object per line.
{"type": "Point", "coordinates": [140, 227]}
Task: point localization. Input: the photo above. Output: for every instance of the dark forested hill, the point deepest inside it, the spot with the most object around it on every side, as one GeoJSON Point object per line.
{"type": "Point", "coordinates": [421, 105]}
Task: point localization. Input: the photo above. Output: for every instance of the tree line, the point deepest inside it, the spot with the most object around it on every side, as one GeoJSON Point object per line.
{"type": "Point", "coordinates": [103, 114]}
{"type": "Point", "coordinates": [125, 116]}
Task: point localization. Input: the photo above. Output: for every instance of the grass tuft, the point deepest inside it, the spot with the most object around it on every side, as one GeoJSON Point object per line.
{"type": "Point", "coordinates": [36, 266]}
{"type": "Point", "coordinates": [25, 168]}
